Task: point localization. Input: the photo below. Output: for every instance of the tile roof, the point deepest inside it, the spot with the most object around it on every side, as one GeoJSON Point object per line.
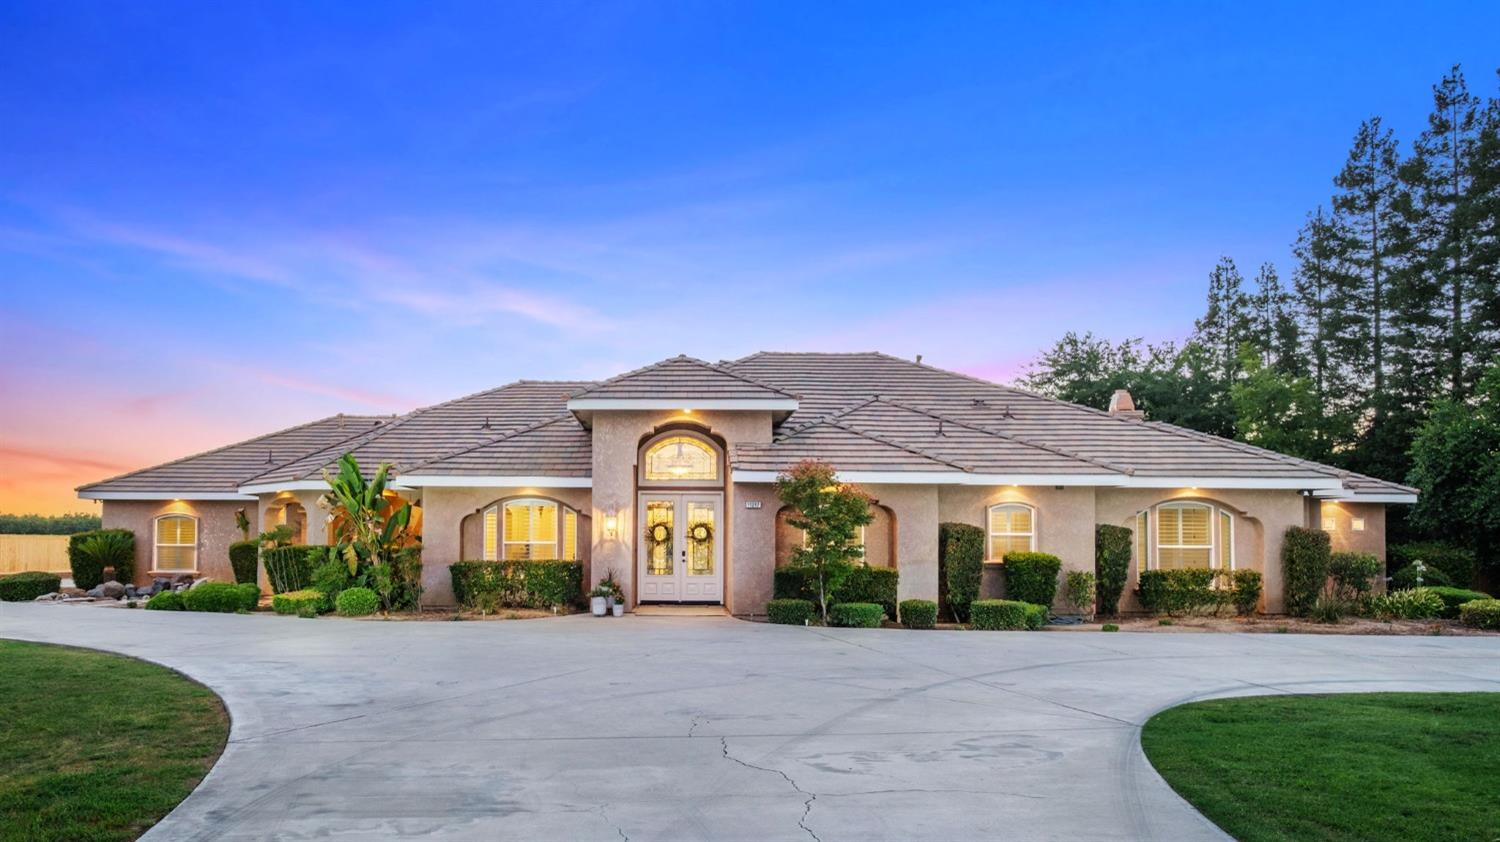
{"type": "Point", "coordinates": [682, 378]}
{"type": "Point", "coordinates": [224, 469]}
{"type": "Point", "coordinates": [862, 412]}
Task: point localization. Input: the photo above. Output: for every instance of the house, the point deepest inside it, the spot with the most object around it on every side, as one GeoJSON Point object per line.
{"type": "Point", "coordinates": [589, 470]}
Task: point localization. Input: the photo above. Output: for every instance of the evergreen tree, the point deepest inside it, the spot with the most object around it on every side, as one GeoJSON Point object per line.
{"type": "Point", "coordinates": [1437, 308]}
{"type": "Point", "coordinates": [1272, 329]}
{"type": "Point", "coordinates": [1478, 215]}
{"type": "Point", "coordinates": [1225, 325]}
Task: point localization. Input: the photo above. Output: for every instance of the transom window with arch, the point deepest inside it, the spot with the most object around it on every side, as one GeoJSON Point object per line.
{"type": "Point", "coordinates": [680, 458]}
{"type": "Point", "coordinates": [1186, 535]}
{"type": "Point", "coordinates": [176, 545]}
{"type": "Point", "coordinates": [530, 528]}
{"type": "Point", "coordinates": [1011, 529]}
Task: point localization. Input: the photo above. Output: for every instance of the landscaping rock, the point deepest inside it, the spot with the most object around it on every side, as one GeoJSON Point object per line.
{"type": "Point", "coordinates": [182, 579]}
{"type": "Point", "coordinates": [49, 597]}
{"type": "Point", "coordinates": [107, 590]}
{"type": "Point", "coordinates": [198, 582]}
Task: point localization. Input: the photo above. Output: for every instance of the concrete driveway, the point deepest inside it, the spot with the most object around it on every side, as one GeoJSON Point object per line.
{"type": "Point", "coordinates": [709, 728]}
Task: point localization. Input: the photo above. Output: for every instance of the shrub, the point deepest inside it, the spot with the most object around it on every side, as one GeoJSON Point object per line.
{"type": "Point", "coordinates": [856, 615]}
{"type": "Point", "coordinates": [1007, 614]}
{"type": "Point", "coordinates": [1481, 614]}
{"type": "Point", "coordinates": [1174, 592]}
{"type": "Point", "coordinates": [488, 585]}
{"type": "Point", "coordinates": [1353, 573]}
{"type": "Point", "coordinates": [1457, 563]}
{"type": "Point", "coordinates": [1079, 589]}
{"type": "Point", "coordinates": [1304, 568]}
{"type": "Point", "coordinates": [859, 584]}
{"type": "Point", "coordinates": [357, 602]}
{"type": "Point", "coordinates": [1417, 575]}
{"type": "Point", "coordinates": [960, 567]}
{"type": "Point", "coordinates": [1455, 598]}
{"type": "Point", "coordinates": [166, 601]}
{"type": "Point", "coordinates": [1109, 627]}
{"type": "Point", "coordinates": [1244, 591]}
{"type": "Point", "coordinates": [1329, 608]}
{"type": "Point", "coordinates": [789, 612]}
{"type": "Point", "coordinates": [244, 556]}
{"type": "Point", "coordinates": [221, 597]}
{"type": "Point", "coordinates": [1032, 577]}
{"type": "Point", "coordinates": [290, 568]}
{"type": "Point", "coordinates": [308, 603]}
{"type": "Point", "coordinates": [919, 613]}
{"type": "Point", "coordinates": [328, 578]}
{"type": "Point", "coordinates": [27, 586]}
{"type": "Point", "coordinates": [1410, 604]}
{"type": "Point", "coordinates": [90, 552]}
{"type": "Point", "coordinates": [1111, 566]}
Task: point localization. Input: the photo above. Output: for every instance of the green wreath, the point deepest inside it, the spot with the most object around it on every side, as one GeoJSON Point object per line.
{"type": "Point", "coordinates": [659, 534]}
{"type": "Point", "coordinates": [701, 533]}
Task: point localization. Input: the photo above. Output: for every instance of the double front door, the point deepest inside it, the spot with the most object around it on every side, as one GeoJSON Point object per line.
{"type": "Point", "coordinates": [681, 547]}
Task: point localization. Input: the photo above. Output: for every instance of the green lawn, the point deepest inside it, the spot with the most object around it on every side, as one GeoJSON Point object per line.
{"type": "Point", "coordinates": [1410, 766]}
{"type": "Point", "coordinates": [96, 746]}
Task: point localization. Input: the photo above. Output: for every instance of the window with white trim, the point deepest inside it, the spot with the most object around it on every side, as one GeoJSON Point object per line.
{"type": "Point", "coordinates": [1012, 528]}
{"type": "Point", "coordinates": [1188, 535]}
{"type": "Point", "coordinates": [530, 529]}
{"type": "Point", "coordinates": [176, 544]}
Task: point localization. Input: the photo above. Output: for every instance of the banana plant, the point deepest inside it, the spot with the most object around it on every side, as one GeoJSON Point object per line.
{"type": "Point", "coordinates": [368, 535]}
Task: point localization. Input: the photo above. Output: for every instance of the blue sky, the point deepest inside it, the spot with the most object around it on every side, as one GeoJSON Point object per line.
{"type": "Point", "coordinates": [217, 219]}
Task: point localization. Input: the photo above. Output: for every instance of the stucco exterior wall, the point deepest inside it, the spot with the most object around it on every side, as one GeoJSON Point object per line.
{"type": "Point", "coordinates": [618, 436]}
{"type": "Point", "coordinates": [754, 545]}
{"type": "Point", "coordinates": [216, 531]}
{"type": "Point", "coordinates": [879, 538]}
{"type": "Point", "coordinates": [1064, 523]}
{"type": "Point", "coordinates": [1341, 516]}
{"type": "Point", "coordinates": [915, 510]}
{"type": "Point", "coordinates": [443, 514]}
{"type": "Point", "coordinates": [1261, 521]}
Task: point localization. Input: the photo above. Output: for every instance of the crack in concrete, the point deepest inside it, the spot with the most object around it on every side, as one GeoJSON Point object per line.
{"type": "Point", "coordinates": [604, 813]}
{"type": "Point", "coordinates": [806, 805]}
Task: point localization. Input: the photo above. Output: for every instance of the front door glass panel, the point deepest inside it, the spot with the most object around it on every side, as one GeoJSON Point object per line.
{"type": "Point", "coordinates": [659, 538]}
{"type": "Point", "coordinates": [702, 533]}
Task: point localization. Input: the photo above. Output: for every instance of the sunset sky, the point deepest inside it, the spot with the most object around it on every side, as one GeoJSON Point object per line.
{"type": "Point", "coordinates": [216, 222]}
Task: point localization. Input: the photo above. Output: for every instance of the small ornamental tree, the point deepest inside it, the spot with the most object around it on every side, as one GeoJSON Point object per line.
{"type": "Point", "coordinates": [829, 514]}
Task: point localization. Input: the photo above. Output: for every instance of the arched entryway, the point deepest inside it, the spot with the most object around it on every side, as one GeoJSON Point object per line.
{"type": "Point", "coordinates": [877, 539]}
{"type": "Point", "coordinates": [680, 520]}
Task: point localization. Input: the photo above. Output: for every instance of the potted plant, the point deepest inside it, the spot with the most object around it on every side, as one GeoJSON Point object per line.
{"type": "Point", "coordinates": [619, 607]}
{"type": "Point", "coordinates": [598, 599]}
{"type": "Point", "coordinates": [614, 595]}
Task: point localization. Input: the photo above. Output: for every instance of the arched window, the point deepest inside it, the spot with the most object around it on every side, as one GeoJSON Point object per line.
{"type": "Point", "coordinates": [1188, 535]}
{"type": "Point", "coordinates": [176, 544]}
{"type": "Point", "coordinates": [530, 528]}
{"type": "Point", "coordinates": [1012, 528]}
{"type": "Point", "coordinates": [680, 458]}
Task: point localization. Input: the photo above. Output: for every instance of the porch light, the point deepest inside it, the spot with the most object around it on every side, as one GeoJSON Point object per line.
{"type": "Point", "coordinates": [611, 526]}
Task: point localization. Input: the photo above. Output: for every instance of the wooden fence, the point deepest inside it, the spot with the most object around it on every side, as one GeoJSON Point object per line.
{"type": "Point", "coordinates": [34, 552]}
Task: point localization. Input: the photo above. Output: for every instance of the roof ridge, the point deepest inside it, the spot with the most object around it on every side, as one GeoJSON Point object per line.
{"type": "Point", "coordinates": [1050, 448]}
{"type": "Point", "coordinates": [901, 446]}
{"type": "Point", "coordinates": [856, 405]}
{"type": "Point", "coordinates": [496, 440]}
{"type": "Point", "coordinates": [250, 441]}
{"type": "Point", "coordinates": [684, 358]}
{"type": "Point", "coordinates": [394, 425]}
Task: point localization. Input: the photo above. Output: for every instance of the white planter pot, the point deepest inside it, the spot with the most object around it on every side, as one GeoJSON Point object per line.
{"type": "Point", "coordinates": [596, 604]}
{"type": "Point", "coordinates": [619, 609]}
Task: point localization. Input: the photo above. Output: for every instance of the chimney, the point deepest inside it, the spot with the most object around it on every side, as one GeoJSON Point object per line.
{"type": "Point", "coordinates": [1121, 405]}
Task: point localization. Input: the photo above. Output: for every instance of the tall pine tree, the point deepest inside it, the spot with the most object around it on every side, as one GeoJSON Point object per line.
{"type": "Point", "coordinates": [1272, 328]}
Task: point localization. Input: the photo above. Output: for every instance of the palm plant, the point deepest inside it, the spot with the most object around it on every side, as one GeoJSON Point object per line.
{"type": "Point", "coordinates": [366, 534]}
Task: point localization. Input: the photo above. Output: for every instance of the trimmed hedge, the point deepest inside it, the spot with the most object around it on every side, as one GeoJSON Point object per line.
{"type": "Point", "coordinates": [1457, 563]}
{"type": "Point", "coordinates": [1455, 598]}
{"type": "Point", "coordinates": [1111, 567]}
{"type": "Point", "coordinates": [488, 585]}
{"type": "Point", "coordinates": [919, 613]}
{"type": "Point", "coordinates": [1032, 577]}
{"type": "Point", "coordinates": [856, 615]}
{"type": "Point", "coordinates": [290, 568]}
{"type": "Point", "coordinates": [27, 586]}
{"type": "Point", "coordinates": [307, 603]}
{"type": "Point", "coordinates": [88, 568]}
{"type": "Point", "coordinates": [1481, 614]}
{"type": "Point", "coordinates": [1406, 578]}
{"type": "Point", "coordinates": [1244, 591]}
{"type": "Point", "coordinates": [960, 567]}
{"type": "Point", "coordinates": [1007, 615]}
{"type": "Point", "coordinates": [1304, 568]}
{"type": "Point", "coordinates": [863, 584]}
{"type": "Point", "coordinates": [789, 612]}
{"type": "Point", "coordinates": [221, 598]}
{"type": "Point", "coordinates": [1354, 573]}
{"type": "Point", "coordinates": [166, 601]}
{"type": "Point", "coordinates": [244, 556]}
{"type": "Point", "coordinates": [356, 602]}
{"type": "Point", "coordinates": [1173, 592]}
